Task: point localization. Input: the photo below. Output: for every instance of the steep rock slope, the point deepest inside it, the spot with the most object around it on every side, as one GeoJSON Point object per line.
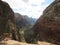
{"type": "Point", "coordinates": [47, 27]}
{"type": "Point", "coordinates": [7, 25]}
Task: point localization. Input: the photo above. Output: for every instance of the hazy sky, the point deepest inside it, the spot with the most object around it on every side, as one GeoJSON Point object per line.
{"type": "Point", "coordinates": [32, 8]}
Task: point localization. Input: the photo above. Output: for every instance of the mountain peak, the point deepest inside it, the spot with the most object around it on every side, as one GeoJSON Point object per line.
{"type": "Point", "coordinates": [57, 0]}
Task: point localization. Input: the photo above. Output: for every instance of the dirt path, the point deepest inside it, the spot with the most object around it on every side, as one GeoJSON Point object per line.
{"type": "Point", "coordinates": [13, 42]}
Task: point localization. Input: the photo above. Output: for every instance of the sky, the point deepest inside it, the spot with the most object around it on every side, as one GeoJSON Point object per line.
{"type": "Point", "coordinates": [31, 8]}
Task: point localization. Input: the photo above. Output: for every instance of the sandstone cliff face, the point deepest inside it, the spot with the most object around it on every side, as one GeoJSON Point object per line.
{"type": "Point", "coordinates": [47, 27]}
{"type": "Point", "coordinates": [7, 25]}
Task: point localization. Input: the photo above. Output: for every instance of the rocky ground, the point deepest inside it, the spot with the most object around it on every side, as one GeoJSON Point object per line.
{"type": "Point", "coordinates": [13, 42]}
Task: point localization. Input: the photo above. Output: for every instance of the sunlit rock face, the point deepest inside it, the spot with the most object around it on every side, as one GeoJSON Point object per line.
{"type": "Point", "coordinates": [47, 27]}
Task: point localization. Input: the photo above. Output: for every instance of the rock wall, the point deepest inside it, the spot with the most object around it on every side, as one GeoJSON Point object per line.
{"type": "Point", "coordinates": [7, 25]}
{"type": "Point", "coordinates": [47, 27]}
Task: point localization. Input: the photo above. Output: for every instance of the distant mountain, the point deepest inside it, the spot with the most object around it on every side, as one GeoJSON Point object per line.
{"type": "Point", "coordinates": [20, 20]}
{"type": "Point", "coordinates": [23, 21]}
{"type": "Point", "coordinates": [30, 20]}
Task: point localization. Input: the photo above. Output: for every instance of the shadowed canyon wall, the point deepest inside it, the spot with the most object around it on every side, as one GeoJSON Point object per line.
{"type": "Point", "coordinates": [47, 27]}
{"type": "Point", "coordinates": [7, 25]}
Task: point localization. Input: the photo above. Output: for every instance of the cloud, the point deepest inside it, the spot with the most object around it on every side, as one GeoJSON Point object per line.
{"type": "Point", "coordinates": [33, 8]}
{"type": "Point", "coordinates": [25, 1]}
